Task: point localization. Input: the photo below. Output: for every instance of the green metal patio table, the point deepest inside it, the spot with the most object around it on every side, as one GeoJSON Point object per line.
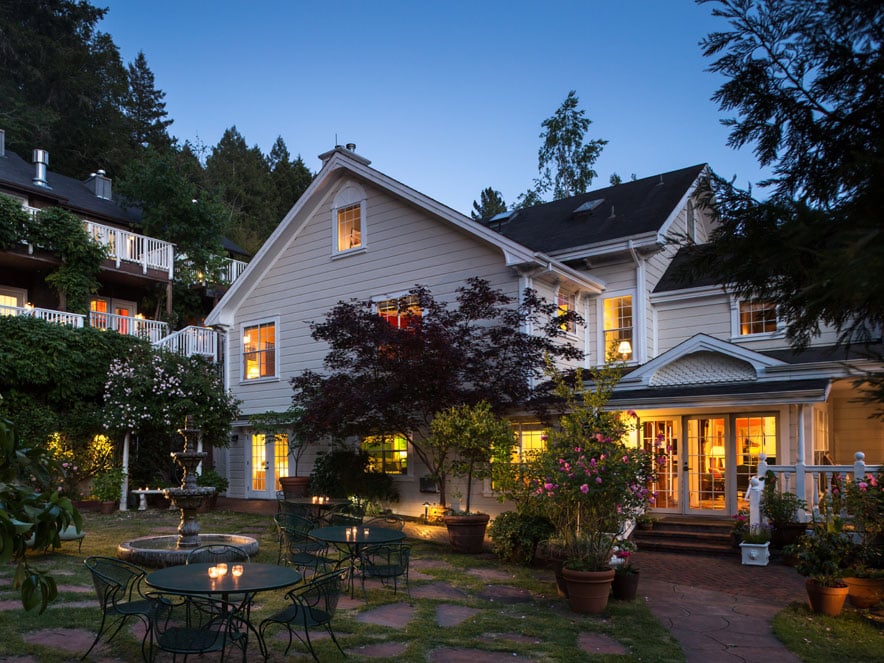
{"type": "Point", "coordinates": [351, 540]}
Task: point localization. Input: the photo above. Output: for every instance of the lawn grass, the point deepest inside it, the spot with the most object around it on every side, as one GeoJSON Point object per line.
{"type": "Point", "coordinates": [820, 639]}
{"type": "Point", "coordinates": [543, 629]}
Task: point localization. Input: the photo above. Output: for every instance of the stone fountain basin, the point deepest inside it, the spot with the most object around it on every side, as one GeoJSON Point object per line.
{"type": "Point", "coordinates": [160, 551]}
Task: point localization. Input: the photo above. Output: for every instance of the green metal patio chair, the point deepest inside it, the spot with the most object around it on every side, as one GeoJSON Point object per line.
{"type": "Point", "coordinates": [388, 562]}
{"type": "Point", "coordinates": [120, 596]}
{"type": "Point", "coordinates": [313, 605]}
{"type": "Point", "coordinates": [199, 625]}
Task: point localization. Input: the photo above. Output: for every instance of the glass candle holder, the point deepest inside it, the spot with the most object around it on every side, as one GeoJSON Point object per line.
{"type": "Point", "coordinates": [365, 531]}
{"type": "Point", "coordinates": [237, 570]}
{"type": "Point", "coordinates": [222, 568]}
{"type": "Point", "coordinates": [213, 571]}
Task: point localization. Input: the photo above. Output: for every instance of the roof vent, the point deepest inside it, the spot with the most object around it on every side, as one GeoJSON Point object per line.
{"type": "Point", "coordinates": [99, 184]}
{"type": "Point", "coordinates": [351, 147]}
{"type": "Point", "coordinates": [41, 162]}
{"type": "Point", "coordinates": [589, 205]}
{"type": "Point", "coordinates": [613, 216]}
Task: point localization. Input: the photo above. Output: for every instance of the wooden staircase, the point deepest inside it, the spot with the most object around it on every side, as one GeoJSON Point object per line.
{"type": "Point", "coordinates": [701, 535]}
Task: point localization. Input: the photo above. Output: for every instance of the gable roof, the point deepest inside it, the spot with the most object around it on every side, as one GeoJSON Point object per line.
{"type": "Point", "coordinates": [340, 163]}
{"type": "Point", "coordinates": [618, 212]}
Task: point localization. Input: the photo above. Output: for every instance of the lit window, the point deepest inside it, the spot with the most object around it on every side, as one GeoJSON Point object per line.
{"type": "Point", "coordinates": [757, 317]}
{"type": "Point", "coordinates": [566, 304]}
{"type": "Point", "coordinates": [618, 328]}
{"type": "Point", "coordinates": [350, 227]}
{"type": "Point", "coordinates": [530, 440]}
{"type": "Point", "coordinates": [259, 351]}
{"type": "Point", "coordinates": [402, 312]}
{"type": "Point", "coordinates": [387, 453]}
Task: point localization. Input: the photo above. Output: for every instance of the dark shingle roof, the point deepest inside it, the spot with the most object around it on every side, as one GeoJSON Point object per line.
{"type": "Point", "coordinates": [638, 207]}
{"type": "Point", "coordinates": [67, 191]}
{"type": "Point", "coordinates": [679, 277]}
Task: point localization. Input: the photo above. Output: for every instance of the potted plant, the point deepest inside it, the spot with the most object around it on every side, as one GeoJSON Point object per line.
{"type": "Point", "coordinates": [755, 546]}
{"type": "Point", "coordinates": [107, 487]}
{"type": "Point", "coordinates": [864, 575]}
{"type": "Point", "coordinates": [781, 511]}
{"type": "Point", "coordinates": [625, 584]}
{"type": "Point", "coordinates": [820, 556]}
{"type": "Point", "coordinates": [646, 521]}
{"type": "Point", "coordinates": [467, 441]}
{"type": "Point", "coordinates": [591, 485]}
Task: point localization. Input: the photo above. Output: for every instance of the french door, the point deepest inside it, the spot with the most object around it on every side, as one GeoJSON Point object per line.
{"type": "Point", "coordinates": [705, 465]}
{"type": "Point", "coordinates": [269, 460]}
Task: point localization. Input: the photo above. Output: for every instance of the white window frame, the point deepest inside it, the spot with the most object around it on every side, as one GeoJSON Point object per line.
{"type": "Point", "coordinates": [350, 195]}
{"type": "Point", "coordinates": [736, 327]}
{"type": "Point", "coordinates": [571, 328]}
{"type": "Point", "coordinates": [276, 335]}
{"type": "Point", "coordinates": [601, 349]}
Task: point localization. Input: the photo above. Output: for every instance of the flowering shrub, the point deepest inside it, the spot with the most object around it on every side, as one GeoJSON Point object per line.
{"type": "Point", "coordinates": [623, 554]}
{"type": "Point", "coordinates": [865, 504]}
{"type": "Point", "coordinates": [587, 481]}
{"type": "Point", "coordinates": [157, 389]}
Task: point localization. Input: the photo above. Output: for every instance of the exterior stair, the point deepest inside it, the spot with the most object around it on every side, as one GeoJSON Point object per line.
{"type": "Point", "coordinates": [700, 535]}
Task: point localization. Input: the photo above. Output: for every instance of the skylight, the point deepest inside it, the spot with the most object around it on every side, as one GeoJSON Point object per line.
{"type": "Point", "coordinates": [589, 205]}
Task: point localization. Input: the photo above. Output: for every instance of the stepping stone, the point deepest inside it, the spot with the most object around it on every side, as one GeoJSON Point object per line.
{"type": "Point", "coordinates": [385, 650]}
{"type": "Point", "coordinates": [76, 589]}
{"type": "Point", "coordinates": [505, 594]}
{"type": "Point", "coordinates": [437, 590]}
{"type": "Point", "coordinates": [426, 564]}
{"type": "Point", "coordinates": [596, 643]}
{"type": "Point", "coordinates": [394, 615]}
{"type": "Point", "coordinates": [453, 615]}
{"type": "Point", "coordinates": [66, 639]}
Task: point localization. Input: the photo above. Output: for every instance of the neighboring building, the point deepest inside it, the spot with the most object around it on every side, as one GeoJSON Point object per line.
{"type": "Point", "coordinates": [136, 264]}
{"type": "Point", "coordinates": [713, 375]}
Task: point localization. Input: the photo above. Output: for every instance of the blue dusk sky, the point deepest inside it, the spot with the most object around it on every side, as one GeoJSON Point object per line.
{"type": "Point", "coordinates": [447, 97]}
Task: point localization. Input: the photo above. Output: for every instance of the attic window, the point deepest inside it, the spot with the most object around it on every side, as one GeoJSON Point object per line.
{"type": "Point", "coordinates": [348, 220]}
{"type": "Point", "coordinates": [589, 205]}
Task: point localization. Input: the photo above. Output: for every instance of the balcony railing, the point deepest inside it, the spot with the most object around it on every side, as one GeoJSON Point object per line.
{"type": "Point", "coordinates": [151, 330]}
{"type": "Point", "coordinates": [192, 341]}
{"type": "Point", "coordinates": [125, 246]}
{"type": "Point", "coordinates": [233, 269]}
{"type": "Point", "coordinates": [55, 317]}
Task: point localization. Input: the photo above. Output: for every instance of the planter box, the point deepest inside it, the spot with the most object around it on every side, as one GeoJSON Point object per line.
{"type": "Point", "coordinates": [755, 554]}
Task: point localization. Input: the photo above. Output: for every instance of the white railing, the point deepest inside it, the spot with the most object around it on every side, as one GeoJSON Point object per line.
{"type": "Point", "coordinates": [151, 330]}
{"type": "Point", "coordinates": [191, 341]}
{"type": "Point", "coordinates": [125, 246]}
{"type": "Point", "coordinates": [812, 483]}
{"type": "Point", "coordinates": [232, 270]}
{"type": "Point", "coordinates": [56, 317]}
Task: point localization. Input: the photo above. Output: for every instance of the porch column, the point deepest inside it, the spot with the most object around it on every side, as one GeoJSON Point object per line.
{"type": "Point", "coordinates": [800, 462]}
{"type": "Point", "coordinates": [124, 496]}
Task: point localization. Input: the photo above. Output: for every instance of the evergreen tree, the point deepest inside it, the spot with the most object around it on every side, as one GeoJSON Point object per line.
{"type": "Point", "coordinates": [290, 178]}
{"type": "Point", "coordinates": [805, 79]}
{"type": "Point", "coordinates": [490, 203]}
{"type": "Point", "coordinates": [145, 107]}
{"type": "Point", "coordinates": [241, 176]}
{"type": "Point", "coordinates": [63, 85]}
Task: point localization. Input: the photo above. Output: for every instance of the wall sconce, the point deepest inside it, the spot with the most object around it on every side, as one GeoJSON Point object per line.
{"type": "Point", "coordinates": [624, 349]}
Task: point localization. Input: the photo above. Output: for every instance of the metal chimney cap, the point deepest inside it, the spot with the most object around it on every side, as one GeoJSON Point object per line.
{"type": "Point", "coordinates": [351, 147]}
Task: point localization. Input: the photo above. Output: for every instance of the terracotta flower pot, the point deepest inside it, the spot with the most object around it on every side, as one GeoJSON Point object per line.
{"type": "Point", "coordinates": [624, 586]}
{"type": "Point", "coordinates": [825, 600]}
{"type": "Point", "coordinates": [864, 592]}
{"type": "Point", "coordinates": [294, 486]}
{"type": "Point", "coordinates": [466, 533]}
{"type": "Point", "coordinates": [107, 506]}
{"type": "Point", "coordinates": [588, 591]}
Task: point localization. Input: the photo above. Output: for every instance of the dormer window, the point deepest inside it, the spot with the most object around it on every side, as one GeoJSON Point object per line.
{"type": "Point", "coordinates": [348, 220]}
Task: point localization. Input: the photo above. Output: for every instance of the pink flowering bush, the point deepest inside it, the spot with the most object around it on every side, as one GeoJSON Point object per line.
{"type": "Point", "coordinates": [864, 500]}
{"type": "Point", "coordinates": [588, 482]}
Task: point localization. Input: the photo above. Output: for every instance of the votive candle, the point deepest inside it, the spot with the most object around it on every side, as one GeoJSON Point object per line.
{"type": "Point", "coordinates": [222, 568]}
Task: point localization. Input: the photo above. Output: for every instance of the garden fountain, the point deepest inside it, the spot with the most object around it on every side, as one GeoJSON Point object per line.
{"type": "Point", "coordinates": [170, 550]}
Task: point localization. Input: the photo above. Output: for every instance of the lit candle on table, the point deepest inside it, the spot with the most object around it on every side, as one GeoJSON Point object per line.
{"type": "Point", "coordinates": [222, 569]}
{"type": "Point", "coordinates": [237, 570]}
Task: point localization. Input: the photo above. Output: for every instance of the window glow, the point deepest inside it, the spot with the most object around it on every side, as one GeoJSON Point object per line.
{"type": "Point", "coordinates": [387, 453]}
{"type": "Point", "coordinates": [757, 317]}
{"type": "Point", "coordinates": [349, 227]}
{"type": "Point", "coordinates": [618, 327]}
{"type": "Point", "coordinates": [259, 351]}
